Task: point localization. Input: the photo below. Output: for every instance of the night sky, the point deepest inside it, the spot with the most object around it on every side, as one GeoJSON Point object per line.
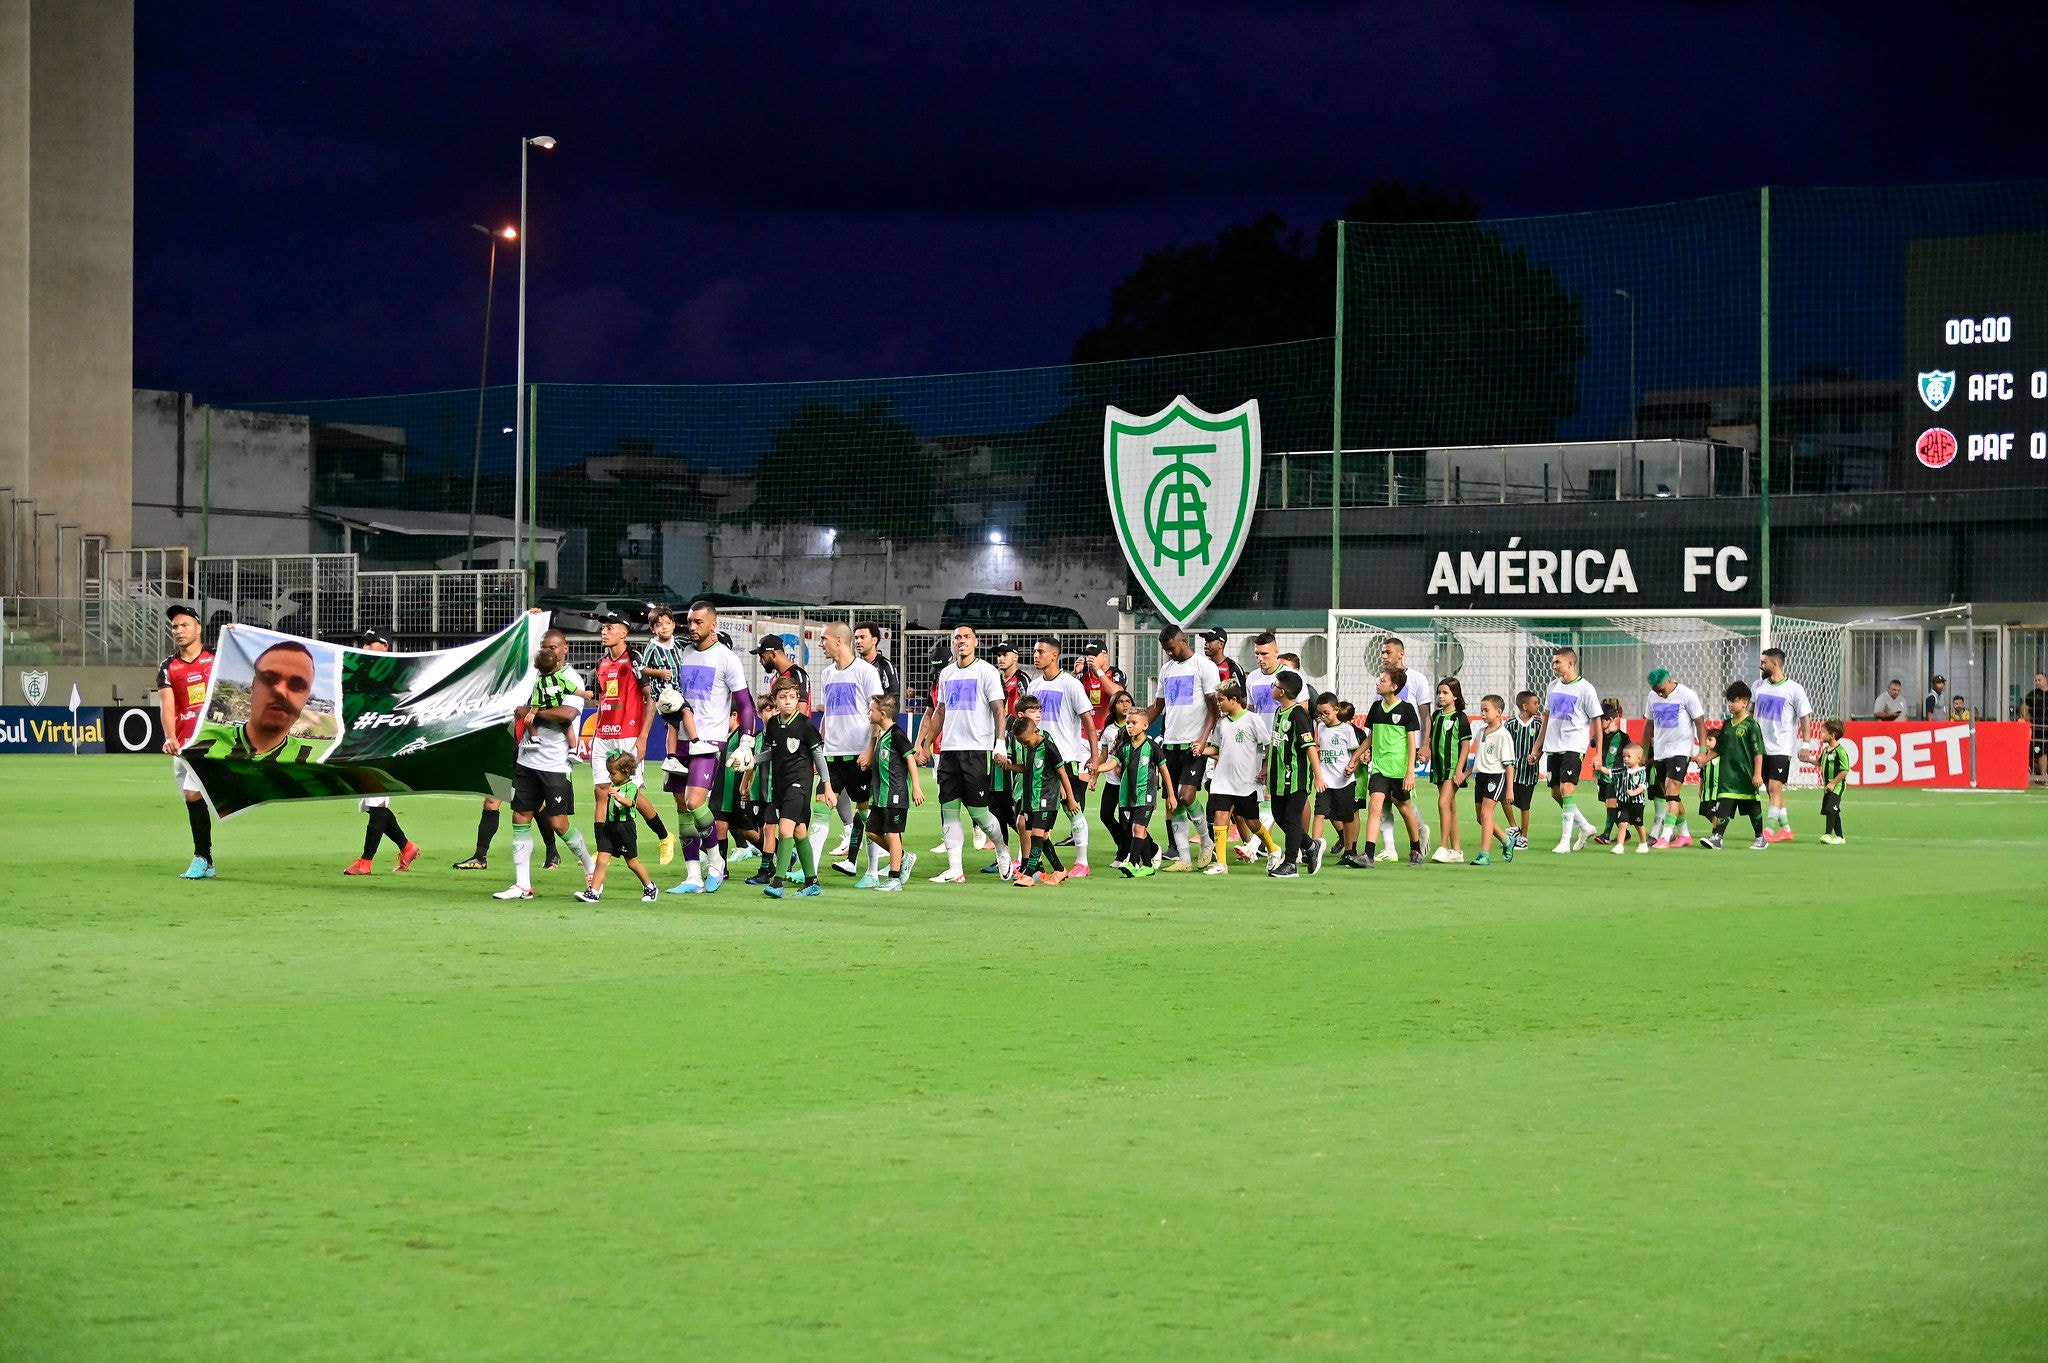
{"type": "Point", "coordinates": [771, 191]}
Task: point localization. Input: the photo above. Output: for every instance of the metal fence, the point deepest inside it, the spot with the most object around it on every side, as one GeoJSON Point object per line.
{"type": "Point", "coordinates": [428, 608]}
{"type": "Point", "coordinates": [313, 595]}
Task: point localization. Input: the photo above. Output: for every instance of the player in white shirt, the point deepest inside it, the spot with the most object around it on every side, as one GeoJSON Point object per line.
{"type": "Point", "coordinates": [1264, 701]}
{"type": "Point", "coordinates": [840, 696]}
{"type": "Point", "coordinates": [1674, 726]}
{"type": "Point", "coordinates": [1786, 716]}
{"type": "Point", "coordinates": [1186, 696]}
{"type": "Point", "coordinates": [968, 719]}
{"type": "Point", "coordinates": [1419, 692]}
{"type": "Point", "coordinates": [1564, 734]}
{"type": "Point", "coordinates": [1069, 720]}
{"type": "Point", "coordinates": [712, 680]}
{"type": "Point", "coordinates": [1236, 759]}
{"type": "Point", "coordinates": [540, 763]}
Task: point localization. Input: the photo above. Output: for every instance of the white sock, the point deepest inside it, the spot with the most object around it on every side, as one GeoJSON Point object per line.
{"type": "Point", "coordinates": [1079, 823]}
{"type": "Point", "coordinates": [714, 863]}
{"type": "Point", "coordinates": [522, 858]}
{"type": "Point", "coordinates": [1177, 839]}
{"type": "Point", "coordinates": [878, 857]}
{"type": "Point", "coordinates": [1386, 832]}
{"type": "Point", "coordinates": [574, 837]}
{"type": "Point", "coordinates": [953, 837]}
{"type": "Point", "coordinates": [820, 830]}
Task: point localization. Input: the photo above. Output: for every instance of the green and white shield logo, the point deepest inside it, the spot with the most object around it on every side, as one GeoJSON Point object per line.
{"type": "Point", "coordinates": [1182, 485]}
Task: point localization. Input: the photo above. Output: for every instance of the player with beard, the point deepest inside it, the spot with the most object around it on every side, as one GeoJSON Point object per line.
{"type": "Point", "coordinates": [1069, 721]}
{"type": "Point", "coordinates": [711, 679]}
{"type": "Point", "coordinates": [1187, 701]}
{"type": "Point", "coordinates": [1785, 715]}
{"type": "Point", "coordinates": [1216, 647]}
{"type": "Point", "coordinates": [848, 686]}
{"type": "Point", "coordinates": [181, 682]}
{"type": "Point", "coordinates": [540, 766]}
{"type": "Point", "coordinates": [968, 719]}
{"type": "Point", "coordinates": [622, 715]}
{"type": "Point", "coordinates": [1570, 709]}
{"type": "Point", "coordinates": [1675, 726]}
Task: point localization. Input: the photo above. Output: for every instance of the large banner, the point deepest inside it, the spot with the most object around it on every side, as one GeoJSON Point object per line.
{"type": "Point", "coordinates": [1915, 753]}
{"type": "Point", "coordinates": [287, 718]}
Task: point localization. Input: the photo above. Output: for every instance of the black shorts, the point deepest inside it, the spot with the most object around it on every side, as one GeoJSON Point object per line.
{"type": "Point", "coordinates": [1525, 791]}
{"type": "Point", "coordinates": [1140, 816]}
{"type": "Point", "coordinates": [1777, 769]}
{"type": "Point", "coordinates": [542, 792]}
{"type": "Point", "coordinates": [745, 818]}
{"type": "Point", "coordinates": [1338, 802]}
{"type": "Point", "coordinates": [848, 778]}
{"type": "Point", "coordinates": [618, 838]}
{"type": "Point", "coordinates": [1184, 766]}
{"type": "Point", "coordinates": [1486, 785]}
{"type": "Point", "coordinates": [1002, 808]}
{"type": "Point", "coordinates": [1606, 788]}
{"type": "Point", "coordinates": [1831, 802]}
{"type": "Point", "coordinates": [1728, 806]}
{"type": "Point", "coordinates": [963, 778]}
{"type": "Point", "coordinates": [1233, 806]}
{"type": "Point", "coordinates": [1039, 820]}
{"type": "Point", "coordinates": [1389, 786]}
{"type": "Point", "coordinates": [1563, 767]}
{"type": "Point", "coordinates": [1672, 769]}
{"type": "Point", "coordinates": [888, 820]}
{"type": "Point", "coordinates": [1629, 811]}
{"type": "Point", "coordinates": [794, 803]}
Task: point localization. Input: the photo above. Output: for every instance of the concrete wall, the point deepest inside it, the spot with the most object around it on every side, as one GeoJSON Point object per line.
{"type": "Point", "coordinates": [811, 563]}
{"type": "Point", "coordinates": [67, 237]}
{"type": "Point", "coordinates": [96, 685]}
{"type": "Point", "coordinates": [218, 480]}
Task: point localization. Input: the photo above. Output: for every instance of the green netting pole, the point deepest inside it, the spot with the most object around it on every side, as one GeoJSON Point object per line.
{"type": "Point", "coordinates": [1337, 437]}
{"type": "Point", "coordinates": [533, 479]}
{"type": "Point", "coordinates": [1763, 411]}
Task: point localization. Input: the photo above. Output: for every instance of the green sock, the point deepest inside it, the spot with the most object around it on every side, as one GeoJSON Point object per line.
{"type": "Point", "coordinates": [1568, 805]}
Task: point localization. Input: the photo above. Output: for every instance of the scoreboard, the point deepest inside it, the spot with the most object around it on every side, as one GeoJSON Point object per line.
{"type": "Point", "coordinates": [1976, 357]}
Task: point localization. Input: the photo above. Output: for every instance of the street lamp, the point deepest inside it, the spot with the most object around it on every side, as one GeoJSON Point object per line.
{"type": "Point", "coordinates": [1630, 299]}
{"type": "Point", "coordinates": [476, 459]}
{"type": "Point", "coordinates": [519, 408]}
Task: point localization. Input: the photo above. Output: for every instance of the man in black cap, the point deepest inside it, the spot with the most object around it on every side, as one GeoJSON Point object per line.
{"type": "Point", "coordinates": [773, 651]}
{"type": "Point", "coordinates": [181, 682]}
{"type": "Point", "coordinates": [1216, 643]}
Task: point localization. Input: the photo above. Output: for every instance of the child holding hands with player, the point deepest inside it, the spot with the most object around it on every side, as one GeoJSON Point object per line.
{"type": "Point", "coordinates": [617, 834]}
{"type": "Point", "coordinates": [1631, 793]}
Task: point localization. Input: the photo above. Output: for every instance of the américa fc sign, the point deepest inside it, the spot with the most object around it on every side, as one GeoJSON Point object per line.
{"type": "Point", "coordinates": [1182, 487]}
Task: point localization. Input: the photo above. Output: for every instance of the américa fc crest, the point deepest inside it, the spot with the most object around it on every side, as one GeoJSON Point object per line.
{"type": "Point", "coordinates": [1937, 386]}
{"type": "Point", "coordinates": [1182, 486]}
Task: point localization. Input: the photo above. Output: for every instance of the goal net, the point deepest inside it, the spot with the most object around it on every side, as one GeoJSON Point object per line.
{"type": "Point", "coordinates": [1504, 654]}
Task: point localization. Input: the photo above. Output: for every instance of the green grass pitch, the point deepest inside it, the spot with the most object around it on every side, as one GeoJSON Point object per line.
{"type": "Point", "coordinates": [1777, 1105]}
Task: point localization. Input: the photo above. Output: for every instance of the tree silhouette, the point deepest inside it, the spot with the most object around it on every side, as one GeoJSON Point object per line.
{"type": "Point", "coordinates": [881, 479]}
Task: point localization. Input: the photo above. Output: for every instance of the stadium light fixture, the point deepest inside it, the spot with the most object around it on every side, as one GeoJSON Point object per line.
{"type": "Point", "coordinates": [519, 472]}
{"type": "Point", "coordinates": [995, 537]}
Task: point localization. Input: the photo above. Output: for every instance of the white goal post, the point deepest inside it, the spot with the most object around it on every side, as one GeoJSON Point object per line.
{"type": "Point", "coordinates": [1491, 652]}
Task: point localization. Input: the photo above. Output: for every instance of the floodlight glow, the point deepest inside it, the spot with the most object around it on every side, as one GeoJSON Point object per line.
{"type": "Point", "coordinates": [995, 537]}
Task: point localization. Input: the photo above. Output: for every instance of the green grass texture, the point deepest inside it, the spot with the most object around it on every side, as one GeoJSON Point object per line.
{"type": "Point", "coordinates": [1751, 1105]}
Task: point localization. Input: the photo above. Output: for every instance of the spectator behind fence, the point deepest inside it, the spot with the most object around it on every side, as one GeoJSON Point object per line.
{"type": "Point", "coordinates": [2034, 710]}
{"type": "Point", "coordinates": [1959, 708]}
{"type": "Point", "coordinates": [1890, 703]}
{"type": "Point", "coordinates": [1936, 704]}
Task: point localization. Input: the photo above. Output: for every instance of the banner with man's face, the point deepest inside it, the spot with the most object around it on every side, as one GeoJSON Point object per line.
{"type": "Point", "coordinates": [299, 719]}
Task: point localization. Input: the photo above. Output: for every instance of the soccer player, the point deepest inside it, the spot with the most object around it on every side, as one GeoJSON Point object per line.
{"type": "Point", "coordinates": [1337, 743]}
{"type": "Point", "coordinates": [848, 685]}
{"type": "Point", "coordinates": [1187, 699]}
{"type": "Point", "coordinates": [1675, 724]}
{"type": "Point", "coordinates": [617, 836]}
{"type": "Point", "coordinates": [1422, 696]}
{"type": "Point", "coordinates": [1293, 778]}
{"type": "Point", "coordinates": [1236, 754]}
{"type": "Point", "coordinates": [967, 718]}
{"type": "Point", "coordinates": [1069, 720]}
{"type": "Point", "coordinates": [1137, 764]}
{"type": "Point", "coordinates": [1216, 647]}
{"type": "Point", "coordinates": [1493, 775]}
{"type": "Point", "coordinates": [1393, 734]}
{"type": "Point", "coordinates": [893, 790]}
{"type": "Point", "coordinates": [487, 821]}
{"type": "Point", "coordinates": [278, 693]}
{"type": "Point", "coordinates": [1610, 734]}
{"type": "Point", "coordinates": [540, 765]}
{"type": "Point", "coordinates": [1100, 680]}
{"type": "Point", "coordinates": [1450, 748]}
{"type": "Point", "coordinates": [1834, 779]}
{"type": "Point", "coordinates": [1786, 717]}
{"type": "Point", "coordinates": [1527, 730]}
{"type": "Point", "coordinates": [711, 679]}
{"type": "Point", "coordinates": [1631, 791]}
{"type": "Point", "coordinates": [791, 751]}
{"type": "Point", "coordinates": [778, 663]}
{"type": "Point", "coordinates": [1740, 745]}
{"type": "Point", "coordinates": [181, 682]}
{"type": "Point", "coordinates": [1565, 732]}
{"type": "Point", "coordinates": [867, 645]}
{"type": "Point", "coordinates": [622, 715]}
{"type": "Point", "coordinates": [382, 822]}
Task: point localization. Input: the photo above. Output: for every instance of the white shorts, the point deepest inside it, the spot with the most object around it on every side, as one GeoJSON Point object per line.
{"type": "Point", "coordinates": [187, 779]}
{"type": "Point", "coordinates": [601, 750]}
{"type": "Point", "coordinates": [374, 802]}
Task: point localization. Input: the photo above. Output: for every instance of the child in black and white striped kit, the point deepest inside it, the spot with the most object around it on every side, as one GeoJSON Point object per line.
{"type": "Point", "coordinates": [1631, 794]}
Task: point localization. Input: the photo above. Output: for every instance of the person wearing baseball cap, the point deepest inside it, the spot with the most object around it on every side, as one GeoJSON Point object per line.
{"type": "Point", "coordinates": [773, 652]}
{"type": "Point", "coordinates": [1216, 643]}
{"type": "Point", "coordinates": [181, 682]}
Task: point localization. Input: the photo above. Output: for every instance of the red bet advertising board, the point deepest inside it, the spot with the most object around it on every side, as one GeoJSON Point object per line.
{"type": "Point", "coordinates": [1916, 753]}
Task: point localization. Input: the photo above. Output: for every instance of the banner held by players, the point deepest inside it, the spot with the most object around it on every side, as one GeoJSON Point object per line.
{"type": "Point", "coordinates": [1182, 486]}
{"type": "Point", "coordinates": [287, 718]}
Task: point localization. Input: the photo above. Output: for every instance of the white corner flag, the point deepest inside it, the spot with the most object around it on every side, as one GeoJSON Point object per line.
{"type": "Point", "coordinates": [74, 719]}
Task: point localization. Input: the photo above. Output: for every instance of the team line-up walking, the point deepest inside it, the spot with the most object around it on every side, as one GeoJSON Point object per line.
{"type": "Point", "coordinates": [1240, 760]}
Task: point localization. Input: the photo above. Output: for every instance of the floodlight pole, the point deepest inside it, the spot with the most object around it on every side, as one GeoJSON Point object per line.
{"type": "Point", "coordinates": [476, 459]}
{"type": "Point", "coordinates": [519, 405]}
{"type": "Point", "coordinates": [1763, 411]}
{"type": "Point", "coordinates": [1337, 437]}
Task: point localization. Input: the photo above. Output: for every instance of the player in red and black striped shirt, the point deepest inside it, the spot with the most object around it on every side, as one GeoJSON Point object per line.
{"type": "Point", "coordinates": [181, 682]}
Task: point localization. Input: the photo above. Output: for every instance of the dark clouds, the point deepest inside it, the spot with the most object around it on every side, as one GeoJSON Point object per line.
{"type": "Point", "coordinates": [775, 191]}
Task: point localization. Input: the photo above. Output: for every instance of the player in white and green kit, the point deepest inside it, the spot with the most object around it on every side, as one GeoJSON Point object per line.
{"type": "Point", "coordinates": [1569, 709]}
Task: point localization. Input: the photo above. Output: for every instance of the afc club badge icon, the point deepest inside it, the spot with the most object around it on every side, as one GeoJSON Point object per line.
{"type": "Point", "coordinates": [1937, 386]}
{"type": "Point", "coordinates": [1936, 447]}
{"type": "Point", "coordinates": [34, 686]}
{"type": "Point", "coordinates": [1182, 485]}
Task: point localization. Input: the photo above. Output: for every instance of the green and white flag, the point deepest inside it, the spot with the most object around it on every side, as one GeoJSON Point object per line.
{"type": "Point", "coordinates": [1182, 487]}
{"type": "Point", "coordinates": [287, 718]}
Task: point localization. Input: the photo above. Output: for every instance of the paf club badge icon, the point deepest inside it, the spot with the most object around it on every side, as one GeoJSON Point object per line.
{"type": "Point", "coordinates": [1936, 447]}
{"type": "Point", "coordinates": [1182, 486]}
{"type": "Point", "coordinates": [1937, 386]}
